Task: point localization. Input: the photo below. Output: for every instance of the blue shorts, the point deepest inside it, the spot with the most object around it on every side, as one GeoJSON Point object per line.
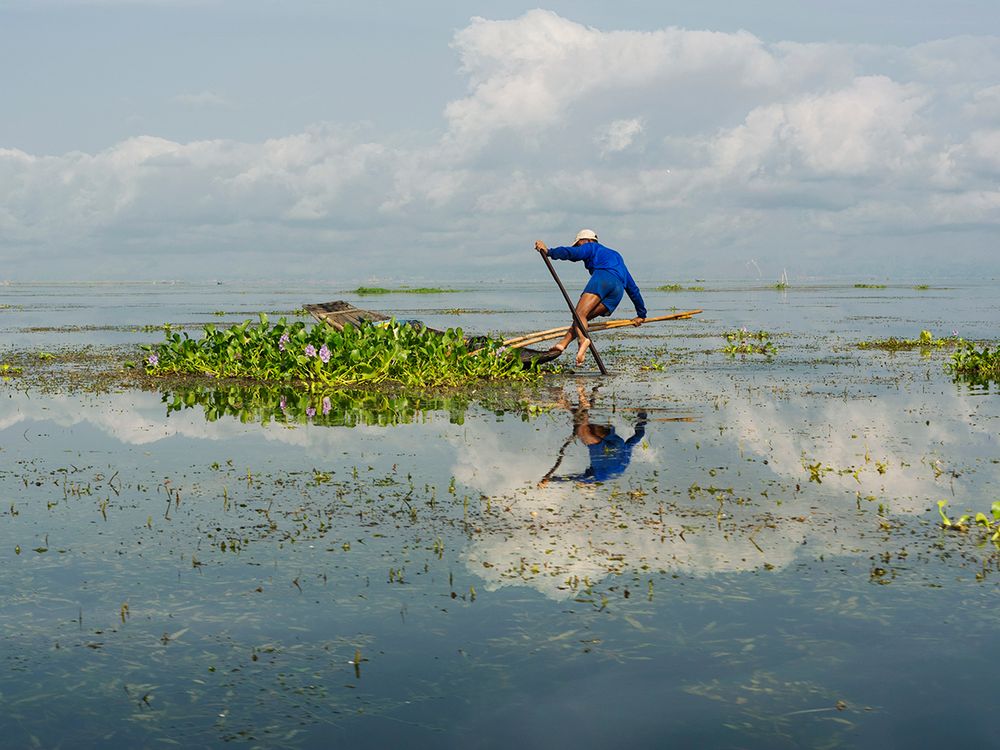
{"type": "Point", "coordinates": [608, 287]}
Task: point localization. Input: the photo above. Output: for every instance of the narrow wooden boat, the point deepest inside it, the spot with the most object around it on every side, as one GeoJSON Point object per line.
{"type": "Point", "coordinates": [339, 314]}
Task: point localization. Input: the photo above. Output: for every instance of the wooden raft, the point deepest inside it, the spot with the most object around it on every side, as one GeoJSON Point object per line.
{"type": "Point", "coordinates": [338, 314]}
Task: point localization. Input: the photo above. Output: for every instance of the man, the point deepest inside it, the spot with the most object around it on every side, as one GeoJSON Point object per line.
{"type": "Point", "coordinates": [609, 279]}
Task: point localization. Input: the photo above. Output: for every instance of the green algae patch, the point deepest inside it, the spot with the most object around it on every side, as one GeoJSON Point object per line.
{"type": "Point", "coordinates": [321, 356]}
{"type": "Point", "coordinates": [365, 291]}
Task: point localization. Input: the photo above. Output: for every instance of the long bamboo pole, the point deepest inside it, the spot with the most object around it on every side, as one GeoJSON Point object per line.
{"type": "Point", "coordinates": [554, 333]}
{"type": "Point", "coordinates": [602, 325]}
{"type": "Point", "coordinates": [576, 318]}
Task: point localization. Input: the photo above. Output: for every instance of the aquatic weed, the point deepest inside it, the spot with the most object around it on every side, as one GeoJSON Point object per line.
{"type": "Point", "coordinates": [679, 288]}
{"type": "Point", "coordinates": [411, 355]}
{"type": "Point", "coordinates": [973, 364]}
{"type": "Point", "coordinates": [372, 290]}
{"type": "Point", "coordinates": [925, 341]}
{"type": "Point", "coordinates": [744, 341]}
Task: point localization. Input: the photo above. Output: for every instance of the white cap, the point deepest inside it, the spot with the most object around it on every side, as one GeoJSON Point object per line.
{"type": "Point", "coordinates": [586, 234]}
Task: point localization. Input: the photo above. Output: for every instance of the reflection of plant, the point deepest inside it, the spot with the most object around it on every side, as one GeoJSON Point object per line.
{"type": "Point", "coordinates": [974, 364]}
{"type": "Point", "coordinates": [262, 403]}
{"type": "Point", "coordinates": [744, 341]}
{"type": "Point", "coordinates": [925, 342]}
{"type": "Point", "coordinates": [982, 521]}
{"type": "Point", "coordinates": [318, 354]}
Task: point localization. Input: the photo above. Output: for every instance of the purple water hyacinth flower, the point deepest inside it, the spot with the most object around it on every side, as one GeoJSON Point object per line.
{"type": "Point", "coordinates": [310, 350]}
{"type": "Point", "coordinates": [324, 354]}
{"type": "Point", "coordinates": [327, 406]}
{"type": "Point", "coordinates": [153, 360]}
{"type": "Point", "coordinates": [283, 340]}
{"type": "Point", "coordinates": [283, 404]}
{"type": "Point", "coordinates": [311, 412]}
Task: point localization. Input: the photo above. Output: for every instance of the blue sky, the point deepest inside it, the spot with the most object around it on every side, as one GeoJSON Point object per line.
{"type": "Point", "coordinates": [423, 140]}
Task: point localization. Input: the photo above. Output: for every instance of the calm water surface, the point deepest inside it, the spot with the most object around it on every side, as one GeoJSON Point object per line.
{"type": "Point", "coordinates": [746, 554]}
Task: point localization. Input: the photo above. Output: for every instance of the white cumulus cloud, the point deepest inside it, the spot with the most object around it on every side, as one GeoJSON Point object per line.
{"type": "Point", "coordinates": [720, 143]}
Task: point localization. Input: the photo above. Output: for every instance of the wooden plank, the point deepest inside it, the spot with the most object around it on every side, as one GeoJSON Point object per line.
{"type": "Point", "coordinates": [339, 313]}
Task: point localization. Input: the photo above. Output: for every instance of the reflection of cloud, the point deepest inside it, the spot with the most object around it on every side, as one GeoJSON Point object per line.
{"type": "Point", "coordinates": [552, 538]}
{"type": "Point", "coordinates": [139, 418]}
{"type": "Point", "coordinates": [545, 537]}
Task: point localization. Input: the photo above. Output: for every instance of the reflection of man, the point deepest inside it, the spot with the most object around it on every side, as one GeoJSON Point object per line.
{"type": "Point", "coordinates": [610, 455]}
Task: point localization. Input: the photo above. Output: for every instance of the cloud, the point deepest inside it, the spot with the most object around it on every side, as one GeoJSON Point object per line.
{"type": "Point", "coordinates": [720, 143]}
{"type": "Point", "coordinates": [619, 135]}
{"type": "Point", "coordinates": [202, 99]}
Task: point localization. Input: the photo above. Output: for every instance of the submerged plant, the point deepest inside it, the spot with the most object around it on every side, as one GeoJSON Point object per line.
{"type": "Point", "coordinates": [320, 355]}
{"type": "Point", "coordinates": [744, 341]}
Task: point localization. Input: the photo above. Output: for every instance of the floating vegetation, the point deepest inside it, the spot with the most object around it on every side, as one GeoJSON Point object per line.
{"type": "Point", "coordinates": [153, 328]}
{"type": "Point", "coordinates": [371, 290]}
{"type": "Point", "coordinates": [871, 286]}
{"type": "Point", "coordinates": [679, 288]}
{"type": "Point", "coordinates": [990, 527]}
{"type": "Point", "coordinates": [744, 341]}
{"type": "Point", "coordinates": [320, 355]}
{"type": "Point", "coordinates": [922, 287]}
{"type": "Point", "coordinates": [974, 364]}
{"type": "Point", "coordinates": [925, 340]}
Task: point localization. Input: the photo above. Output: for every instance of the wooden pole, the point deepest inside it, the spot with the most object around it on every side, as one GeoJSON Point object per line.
{"type": "Point", "coordinates": [572, 309]}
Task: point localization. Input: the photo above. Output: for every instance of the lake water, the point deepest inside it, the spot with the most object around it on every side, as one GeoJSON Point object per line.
{"type": "Point", "coordinates": [749, 555]}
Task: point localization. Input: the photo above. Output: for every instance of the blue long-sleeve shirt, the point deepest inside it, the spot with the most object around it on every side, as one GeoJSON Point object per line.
{"type": "Point", "coordinates": [610, 457]}
{"type": "Point", "coordinates": [597, 257]}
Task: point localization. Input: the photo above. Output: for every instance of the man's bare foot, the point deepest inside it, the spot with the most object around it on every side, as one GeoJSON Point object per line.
{"type": "Point", "coordinates": [557, 348]}
{"type": "Point", "coordinates": [581, 354]}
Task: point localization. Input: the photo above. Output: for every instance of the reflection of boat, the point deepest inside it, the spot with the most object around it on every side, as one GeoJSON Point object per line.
{"type": "Point", "coordinates": [339, 314]}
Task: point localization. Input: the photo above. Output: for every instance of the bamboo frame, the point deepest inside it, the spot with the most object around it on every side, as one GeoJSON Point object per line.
{"type": "Point", "coordinates": [554, 333]}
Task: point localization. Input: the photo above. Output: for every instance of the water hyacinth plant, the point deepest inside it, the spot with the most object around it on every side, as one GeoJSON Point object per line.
{"type": "Point", "coordinates": [925, 342]}
{"type": "Point", "coordinates": [744, 341]}
{"type": "Point", "coordinates": [320, 355]}
{"type": "Point", "coordinates": [977, 365]}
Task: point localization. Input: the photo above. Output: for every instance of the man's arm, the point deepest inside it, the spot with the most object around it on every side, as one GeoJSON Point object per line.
{"type": "Point", "coordinates": [632, 290]}
{"type": "Point", "coordinates": [580, 252]}
{"type": "Point", "coordinates": [640, 430]}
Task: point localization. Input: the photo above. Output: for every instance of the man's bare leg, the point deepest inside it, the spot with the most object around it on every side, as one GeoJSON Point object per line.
{"type": "Point", "coordinates": [589, 306]}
